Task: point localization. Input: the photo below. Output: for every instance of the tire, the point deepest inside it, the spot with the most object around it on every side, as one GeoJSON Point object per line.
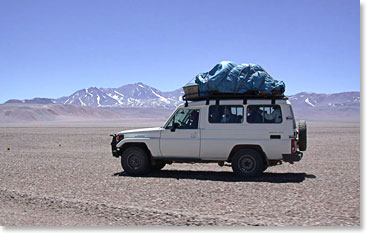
{"type": "Point", "coordinates": [247, 163]}
{"type": "Point", "coordinates": [135, 161]}
{"type": "Point", "coordinates": [302, 135]}
{"type": "Point", "coordinates": [159, 165]}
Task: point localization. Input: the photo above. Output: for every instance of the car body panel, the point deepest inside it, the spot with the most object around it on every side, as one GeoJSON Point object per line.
{"type": "Point", "coordinates": [215, 141]}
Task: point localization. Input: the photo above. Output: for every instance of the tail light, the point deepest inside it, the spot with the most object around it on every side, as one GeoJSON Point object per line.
{"type": "Point", "coordinates": [293, 146]}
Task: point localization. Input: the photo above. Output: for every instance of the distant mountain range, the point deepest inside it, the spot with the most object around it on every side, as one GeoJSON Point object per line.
{"type": "Point", "coordinates": [345, 105]}
{"type": "Point", "coordinates": [339, 106]}
{"type": "Point", "coordinates": [131, 95]}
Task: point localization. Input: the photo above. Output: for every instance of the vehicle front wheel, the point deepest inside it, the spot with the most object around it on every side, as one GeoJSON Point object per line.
{"type": "Point", "coordinates": [135, 161]}
{"type": "Point", "coordinates": [247, 163]}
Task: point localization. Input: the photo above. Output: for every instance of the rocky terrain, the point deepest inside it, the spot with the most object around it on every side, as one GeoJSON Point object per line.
{"type": "Point", "coordinates": [30, 114]}
{"type": "Point", "coordinates": [63, 176]}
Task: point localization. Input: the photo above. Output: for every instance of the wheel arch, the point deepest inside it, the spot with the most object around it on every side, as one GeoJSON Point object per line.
{"type": "Point", "coordinates": [248, 146]}
{"type": "Point", "coordinates": [137, 144]}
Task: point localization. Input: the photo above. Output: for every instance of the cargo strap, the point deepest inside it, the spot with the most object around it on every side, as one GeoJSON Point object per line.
{"type": "Point", "coordinates": [246, 78]}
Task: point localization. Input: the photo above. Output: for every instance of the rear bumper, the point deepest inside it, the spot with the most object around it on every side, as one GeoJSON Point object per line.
{"type": "Point", "coordinates": [295, 157]}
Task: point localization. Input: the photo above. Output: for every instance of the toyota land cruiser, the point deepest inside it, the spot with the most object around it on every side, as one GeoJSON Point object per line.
{"type": "Point", "coordinates": [251, 133]}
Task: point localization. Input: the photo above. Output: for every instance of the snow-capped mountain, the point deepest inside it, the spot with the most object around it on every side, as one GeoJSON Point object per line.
{"type": "Point", "coordinates": [131, 95]}
{"type": "Point", "coordinates": [138, 95]}
{"type": "Point", "coordinates": [345, 105]}
{"type": "Point", "coordinates": [314, 100]}
{"type": "Point", "coordinates": [31, 101]}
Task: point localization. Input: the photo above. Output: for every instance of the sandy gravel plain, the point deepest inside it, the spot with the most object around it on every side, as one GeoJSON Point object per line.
{"type": "Point", "coordinates": [66, 176]}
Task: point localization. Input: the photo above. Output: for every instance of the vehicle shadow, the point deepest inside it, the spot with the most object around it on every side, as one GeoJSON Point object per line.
{"type": "Point", "coordinates": [226, 176]}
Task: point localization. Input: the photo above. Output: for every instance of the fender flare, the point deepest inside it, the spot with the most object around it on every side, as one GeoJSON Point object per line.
{"type": "Point", "coordinates": [248, 146]}
{"type": "Point", "coordinates": [141, 142]}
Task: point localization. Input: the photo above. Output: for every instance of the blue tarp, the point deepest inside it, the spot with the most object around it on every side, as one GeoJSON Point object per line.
{"type": "Point", "coordinates": [228, 77]}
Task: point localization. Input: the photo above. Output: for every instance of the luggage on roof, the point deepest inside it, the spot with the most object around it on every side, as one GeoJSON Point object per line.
{"type": "Point", "coordinates": [231, 79]}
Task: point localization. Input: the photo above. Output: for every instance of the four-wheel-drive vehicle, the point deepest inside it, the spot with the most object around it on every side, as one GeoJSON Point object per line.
{"type": "Point", "coordinates": [251, 133]}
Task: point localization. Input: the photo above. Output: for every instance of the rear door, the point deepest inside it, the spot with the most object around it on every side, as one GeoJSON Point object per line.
{"type": "Point", "coordinates": [266, 125]}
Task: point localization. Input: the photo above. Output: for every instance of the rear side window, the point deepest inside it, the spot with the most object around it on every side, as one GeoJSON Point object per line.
{"type": "Point", "coordinates": [264, 114]}
{"type": "Point", "coordinates": [225, 114]}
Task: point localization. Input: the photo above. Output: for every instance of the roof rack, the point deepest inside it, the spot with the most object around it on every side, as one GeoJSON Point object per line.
{"type": "Point", "coordinates": [243, 97]}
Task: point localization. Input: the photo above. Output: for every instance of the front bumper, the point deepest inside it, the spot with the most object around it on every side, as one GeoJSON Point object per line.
{"type": "Point", "coordinates": [291, 158]}
{"type": "Point", "coordinates": [115, 152]}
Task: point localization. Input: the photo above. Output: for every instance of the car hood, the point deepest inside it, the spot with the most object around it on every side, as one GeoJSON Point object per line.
{"type": "Point", "coordinates": [146, 132]}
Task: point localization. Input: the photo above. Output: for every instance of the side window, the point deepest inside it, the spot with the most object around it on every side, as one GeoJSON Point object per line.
{"type": "Point", "coordinates": [186, 119]}
{"type": "Point", "coordinates": [264, 114]}
{"type": "Point", "coordinates": [225, 114]}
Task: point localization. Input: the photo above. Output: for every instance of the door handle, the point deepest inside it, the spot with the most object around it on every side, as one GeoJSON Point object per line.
{"type": "Point", "coordinates": [275, 137]}
{"type": "Point", "coordinates": [193, 135]}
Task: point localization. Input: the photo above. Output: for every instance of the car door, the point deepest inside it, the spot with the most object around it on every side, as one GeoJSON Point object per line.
{"type": "Point", "coordinates": [181, 136]}
{"type": "Point", "coordinates": [266, 125]}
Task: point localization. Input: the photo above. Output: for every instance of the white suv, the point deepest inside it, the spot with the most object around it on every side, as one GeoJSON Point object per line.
{"type": "Point", "coordinates": [250, 133]}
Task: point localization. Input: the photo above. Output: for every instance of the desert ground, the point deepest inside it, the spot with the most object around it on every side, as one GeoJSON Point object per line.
{"type": "Point", "coordinates": [54, 175]}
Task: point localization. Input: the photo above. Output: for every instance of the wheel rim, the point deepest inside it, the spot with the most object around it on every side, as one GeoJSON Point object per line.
{"type": "Point", "coordinates": [134, 161]}
{"type": "Point", "coordinates": [247, 164]}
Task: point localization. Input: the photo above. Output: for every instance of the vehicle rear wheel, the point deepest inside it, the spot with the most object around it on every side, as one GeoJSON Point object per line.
{"type": "Point", "coordinates": [135, 161]}
{"type": "Point", "coordinates": [302, 135]}
{"type": "Point", "coordinates": [247, 163]}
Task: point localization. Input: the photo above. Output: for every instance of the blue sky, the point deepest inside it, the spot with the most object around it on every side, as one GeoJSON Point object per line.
{"type": "Point", "coordinates": [53, 48]}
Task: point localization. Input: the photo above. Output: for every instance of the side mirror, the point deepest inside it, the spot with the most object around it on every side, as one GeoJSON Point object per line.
{"type": "Point", "coordinates": [174, 127]}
